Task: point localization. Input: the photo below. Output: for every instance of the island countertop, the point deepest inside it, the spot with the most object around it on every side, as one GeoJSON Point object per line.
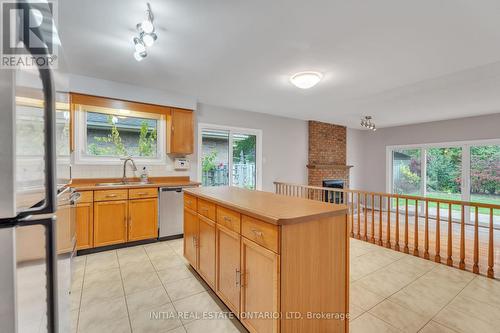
{"type": "Point", "coordinates": [269, 207]}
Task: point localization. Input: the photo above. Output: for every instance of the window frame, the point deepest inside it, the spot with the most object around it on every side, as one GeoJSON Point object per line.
{"type": "Point", "coordinates": [233, 130]}
{"type": "Point", "coordinates": [465, 166]}
{"type": "Point", "coordinates": [80, 153]}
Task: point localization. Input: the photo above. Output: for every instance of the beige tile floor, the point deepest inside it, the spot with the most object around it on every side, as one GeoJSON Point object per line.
{"type": "Point", "coordinates": [119, 291]}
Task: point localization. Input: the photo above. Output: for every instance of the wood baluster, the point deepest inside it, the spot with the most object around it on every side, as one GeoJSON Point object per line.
{"type": "Point", "coordinates": [415, 238]}
{"type": "Point", "coordinates": [352, 214]}
{"type": "Point", "coordinates": [406, 249]}
{"type": "Point", "coordinates": [359, 217]}
{"type": "Point", "coordinates": [396, 231]}
{"type": "Point", "coordinates": [381, 207]}
{"type": "Point", "coordinates": [461, 265]}
{"type": "Point", "coordinates": [426, 231]}
{"type": "Point", "coordinates": [388, 221]}
{"type": "Point", "coordinates": [437, 257]}
{"type": "Point", "coordinates": [373, 219]}
{"type": "Point", "coordinates": [366, 217]}
{"type": "Point", "coordinates": [449, 259]}
{"type": "Point", "coordinates": [475, 267]}
{"type": "Point", "coordinates": [491, 273]}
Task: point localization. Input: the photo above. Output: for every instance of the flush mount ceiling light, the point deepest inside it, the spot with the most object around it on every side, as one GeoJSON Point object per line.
{"type": "Point", "coordinates": [366, 122]}
{"type": "Point", "coordinates": [306, 80]}
{"type": "Point", "coordinates": [147, 35]}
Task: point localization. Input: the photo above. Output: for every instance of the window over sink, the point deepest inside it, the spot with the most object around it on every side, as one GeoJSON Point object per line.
{"type": "Point", "coordinates": [106, 134]}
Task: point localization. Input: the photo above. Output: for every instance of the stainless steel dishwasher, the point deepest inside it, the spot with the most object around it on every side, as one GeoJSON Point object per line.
{"type": "Point", "coordinates": [171, 212]}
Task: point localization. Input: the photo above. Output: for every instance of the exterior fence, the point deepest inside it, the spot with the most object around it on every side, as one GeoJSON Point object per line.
{"type": "Point", "coordinates": [243, 176]}
{"type": "Point", "coordinates": [446, 231]}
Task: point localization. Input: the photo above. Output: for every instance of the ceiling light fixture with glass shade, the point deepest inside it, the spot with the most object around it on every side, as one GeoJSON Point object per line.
{"type": "Point", "coordinates": [367, 122]}
{"type": "Point", "coordinates": [306, 80]}
{"type": "Point", "coordinates": [147, 35]}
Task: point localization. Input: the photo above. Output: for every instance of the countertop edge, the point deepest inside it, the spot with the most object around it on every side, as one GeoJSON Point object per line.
{"type": "Point", "coordinates": [270, 219]}
{"type": "Point", "coordinates": [90, 187]}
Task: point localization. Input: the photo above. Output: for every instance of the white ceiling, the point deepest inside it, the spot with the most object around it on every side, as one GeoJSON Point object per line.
{"type": "Point", "coordinates": [401, 61]}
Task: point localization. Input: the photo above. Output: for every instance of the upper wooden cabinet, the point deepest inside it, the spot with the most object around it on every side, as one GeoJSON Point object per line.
{"type": "Point", "coordinates": [180, 134]}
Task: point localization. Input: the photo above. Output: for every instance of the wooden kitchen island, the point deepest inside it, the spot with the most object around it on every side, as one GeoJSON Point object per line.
{"type": "Point", "coordinates": [281, 264]}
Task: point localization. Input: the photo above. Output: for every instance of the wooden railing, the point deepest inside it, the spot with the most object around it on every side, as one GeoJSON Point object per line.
{"type": "Point", "coordinates": [456, 233]}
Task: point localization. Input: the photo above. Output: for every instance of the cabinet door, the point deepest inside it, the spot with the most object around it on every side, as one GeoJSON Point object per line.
{"type": "Point", "coordinates": [142, 219]}
{"type": "Point", "coordinates": [191, 237]}
{"type": "Point", "coordinates": [206, 250]}
{"type": "Point", "coordinates": [260, 286]}
{"type": "Point", "coordinates": [110, 222]}
{"type": "Point", "coordinates": [84, 226]}
{"type": "Point", "coordinates": [228, 267]}
{"type": "Point", "coordinates": [182, 132]}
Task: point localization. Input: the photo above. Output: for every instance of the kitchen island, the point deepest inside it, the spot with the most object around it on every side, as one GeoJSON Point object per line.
{"type": "Point", "coordinates": [281, 264]}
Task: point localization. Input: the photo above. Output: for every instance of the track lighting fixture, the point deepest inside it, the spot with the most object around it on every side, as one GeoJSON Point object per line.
{"type": "Point", "coordinates": [366, 122]}
{"type": "Point", "coordinates": [147, 35]}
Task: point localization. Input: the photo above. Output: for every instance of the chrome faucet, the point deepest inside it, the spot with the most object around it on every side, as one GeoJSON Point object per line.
{"type": "Point", "coordinates": [134, 168]}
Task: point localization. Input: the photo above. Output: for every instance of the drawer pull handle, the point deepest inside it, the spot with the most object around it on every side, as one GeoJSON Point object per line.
{"type": "Point", "coordinates": [142, 193]}
{"type": "Point", "coordinates": [238, 277]}
{"type": "Point", "coordinates": [227, 219]}
{"type": "Point", "coordinates": [204, 209]}
{"type": "Point", "coordinates": [188, 202]}
{"type": "Point", "coordinates": [257, 233]}
{"type": "Point", "coordinates": [110, 195]}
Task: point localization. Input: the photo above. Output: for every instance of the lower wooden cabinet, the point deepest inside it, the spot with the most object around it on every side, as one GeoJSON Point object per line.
{"type": "Point", "coordinates": [259, 287]}
{"type": "Point", "coordinates": [84, 225]}
{"type": "Point", "coordinates": [228, 274]}
{"type": "Point", "coordinates": [110, 222]}
{"type": "Point", "coordinates": [190, 236]}
{"type": "Point", "coordinates": [142, 219]}
{"type": "Point", "coordinates": [206, 250]}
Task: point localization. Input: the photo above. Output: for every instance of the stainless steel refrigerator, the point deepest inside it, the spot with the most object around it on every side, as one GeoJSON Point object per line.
{"type": "Point", "coordinates": [37, 226]}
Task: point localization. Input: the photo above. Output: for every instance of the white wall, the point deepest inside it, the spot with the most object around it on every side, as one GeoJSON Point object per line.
{"type": "Point", "coordinates": [284, 142]}
{"type": "Point", "coordinates": [369, 148]}
{"type": "Point", "coordinates": [355, 157]}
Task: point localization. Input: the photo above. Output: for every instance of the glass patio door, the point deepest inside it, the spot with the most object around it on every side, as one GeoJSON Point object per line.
{"type": "Point", "coordinates": [228, 156]}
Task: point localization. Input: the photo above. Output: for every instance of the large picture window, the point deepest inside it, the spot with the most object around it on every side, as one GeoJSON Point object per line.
{"type": "Point", "coordinates": [106, 135]}
{"type": "Point", "coordinates": [229, 156]}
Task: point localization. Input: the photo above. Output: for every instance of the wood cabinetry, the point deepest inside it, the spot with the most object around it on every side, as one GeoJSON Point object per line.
{"type": "Point", "coordinates": [274, 257]}
{"type": "Point", "coordinates": [228, 275]}
{"type": "Point", "coordinates": [259, 286]}
{"type": "Point", "coordinates": [142, 219]}
{"type": "Point", "coordinates": [180, 138]}
{"type": "Point", "coordinates": [110, 222]}
{"type": "Point", "coordinates": [206, 249]}
{"type": "Point", "coordinates": [84, 225]}
{"type": "Point", "coordinates": [190, 236]}
{"type": "Point", "coordinates": [114, 216]}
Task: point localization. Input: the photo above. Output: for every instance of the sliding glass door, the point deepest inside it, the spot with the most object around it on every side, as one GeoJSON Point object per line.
{"type": "Point", "coordinates": [468, 172]}
{"type": "Point", "coordinates": [229, 156]}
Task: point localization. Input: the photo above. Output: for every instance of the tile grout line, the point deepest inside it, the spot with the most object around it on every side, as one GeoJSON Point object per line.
{"type": "Point", "coordinates": [164, 288]}
{"type": "Point", "coordinates": [124, 294]}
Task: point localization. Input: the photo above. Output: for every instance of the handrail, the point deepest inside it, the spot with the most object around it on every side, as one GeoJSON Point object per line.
{"type": "Point", "coordinates": [397, 195]}
{"type": "Point", "coordinates": [375, 217]}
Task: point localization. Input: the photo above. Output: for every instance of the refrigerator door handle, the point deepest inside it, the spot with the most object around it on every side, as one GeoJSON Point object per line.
{"type": "Point", "coordinates": [49, 204]}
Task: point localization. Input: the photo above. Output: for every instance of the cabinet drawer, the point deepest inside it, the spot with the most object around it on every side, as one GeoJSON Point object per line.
{"type": "Point", "coordinates": [109, 195]}
{"type": "Point", "coordinates": [141, 193]}
{"type": "Point", "coordinates": [262, 233]}
{"type": "Point", "coordinates": [229, 218]}
{"type": "Point", "coordinates": [206, 208]}
{"type": "Point", "coordinates": [190, 201]}
{"type": "Point", "coordinates": [86, 197]}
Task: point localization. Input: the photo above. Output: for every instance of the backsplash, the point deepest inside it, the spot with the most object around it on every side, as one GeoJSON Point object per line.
{"type": "Point", "coordinates": [114, 171]}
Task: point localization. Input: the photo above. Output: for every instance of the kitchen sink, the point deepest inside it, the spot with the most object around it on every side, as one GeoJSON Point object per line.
{"type": "Point", "coordinates": [122, 184]}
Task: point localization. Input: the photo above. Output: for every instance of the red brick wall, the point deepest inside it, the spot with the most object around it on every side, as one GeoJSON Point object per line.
{"type": "Point", "coordinates": [327, 151]}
